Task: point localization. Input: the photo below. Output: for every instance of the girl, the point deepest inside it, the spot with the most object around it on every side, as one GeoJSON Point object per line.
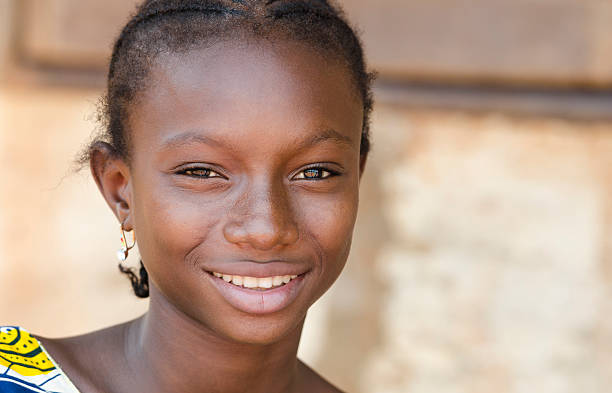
{"type": "Point", "coordinates": [236, 133]}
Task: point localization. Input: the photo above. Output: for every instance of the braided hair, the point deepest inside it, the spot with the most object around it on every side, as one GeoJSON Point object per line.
{"type": "Point", "coordinates": [178, 26]}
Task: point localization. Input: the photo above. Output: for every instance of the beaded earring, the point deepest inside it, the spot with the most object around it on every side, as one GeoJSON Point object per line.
{"type": "Point", "coordinates": [122, 253]}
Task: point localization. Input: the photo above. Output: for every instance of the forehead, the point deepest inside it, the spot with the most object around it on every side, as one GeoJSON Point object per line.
{"type": "Point", "coordinates": [244, 87]}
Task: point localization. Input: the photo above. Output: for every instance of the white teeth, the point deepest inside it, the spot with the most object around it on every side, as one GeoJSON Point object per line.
{"type": "Point", "coordinates": [254, 282]}
{"type": "Point", "coordinates": [250, 282]}
{"type": "Point", "coordinates": [265, 282]}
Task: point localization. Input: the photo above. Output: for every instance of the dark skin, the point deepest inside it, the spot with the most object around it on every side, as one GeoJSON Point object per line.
{"type": "Point", "coordinates": [242, 156]}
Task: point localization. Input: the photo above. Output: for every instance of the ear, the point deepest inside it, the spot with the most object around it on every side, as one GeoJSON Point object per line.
{"type": "Point", "coordinates": [112, 175]}
{"type": "Point", "coordinates": [362, 163]}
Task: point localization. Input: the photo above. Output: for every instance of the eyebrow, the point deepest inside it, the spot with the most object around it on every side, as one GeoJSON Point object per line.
{"type": "Point", "coordinates": [189, 138]}
{"type": "Point", "coordinates": [328, 134]}
{"type": "Point", "coordinates": [195, 137]}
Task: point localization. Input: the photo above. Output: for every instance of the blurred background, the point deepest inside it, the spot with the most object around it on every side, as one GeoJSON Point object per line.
{"type": "Point", "coordinates": [482, 258]}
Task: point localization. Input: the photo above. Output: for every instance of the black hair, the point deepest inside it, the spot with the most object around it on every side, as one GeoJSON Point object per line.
{"type": "Point", "coordinates": [177, 26]}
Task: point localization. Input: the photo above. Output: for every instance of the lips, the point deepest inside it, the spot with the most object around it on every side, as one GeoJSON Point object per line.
{"type": "Point", "coordinates": [258, 300]}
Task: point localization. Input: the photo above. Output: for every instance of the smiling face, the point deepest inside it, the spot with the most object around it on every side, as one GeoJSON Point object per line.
{"type": "Point", "coordinates": [245, 163]}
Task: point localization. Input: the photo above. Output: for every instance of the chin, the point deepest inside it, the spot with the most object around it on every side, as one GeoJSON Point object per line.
{"type": "Point", "coordinates": [257, 330]}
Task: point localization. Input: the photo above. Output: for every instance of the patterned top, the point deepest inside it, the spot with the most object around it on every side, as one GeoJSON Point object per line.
{"type": "Point", "coordinates": [26, 367]}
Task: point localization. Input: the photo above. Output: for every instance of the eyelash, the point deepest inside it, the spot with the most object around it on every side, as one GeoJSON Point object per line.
{"type": "Point", "coordinates": [321, 170]}
{"type": "Point", "coordinates": [191, 172]}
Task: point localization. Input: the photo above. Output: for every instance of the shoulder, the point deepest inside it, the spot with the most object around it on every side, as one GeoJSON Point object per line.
{"type": "Point", "coordinates": [311, 381]}
{"type": "Point", "coordinates": [25, 365]}
{"type": "Point", "coordinates": [31, 363]}
{"type": "Point", "coordinates": [81, 356]}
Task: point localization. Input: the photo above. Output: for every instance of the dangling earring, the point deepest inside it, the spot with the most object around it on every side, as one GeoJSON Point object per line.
{"type": "Point", "coordinates": [122, 253]}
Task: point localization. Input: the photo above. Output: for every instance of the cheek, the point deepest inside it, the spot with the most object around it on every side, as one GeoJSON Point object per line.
{"type": "Point", "coordinates": [329, 222]}
{"type": "Point", "coordinates": [171, 224]}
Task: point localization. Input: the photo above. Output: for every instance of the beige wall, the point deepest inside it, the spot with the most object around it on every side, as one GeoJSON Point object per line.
{"type": "Point", "coordinates": [483, 248]}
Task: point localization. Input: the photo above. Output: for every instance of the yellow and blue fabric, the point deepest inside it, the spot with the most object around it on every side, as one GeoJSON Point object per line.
{"type": "Point", "coordinates": [25, 366]}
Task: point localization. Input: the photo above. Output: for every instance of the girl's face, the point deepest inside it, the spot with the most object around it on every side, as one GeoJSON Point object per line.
{"type": "Point", "coordinates": [245, 162]}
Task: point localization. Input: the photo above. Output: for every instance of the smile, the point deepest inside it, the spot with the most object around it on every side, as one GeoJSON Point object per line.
{"type": "Point", "coordinates": [258, 295]}
{"type": "Point", "coordinates": [257, 283]}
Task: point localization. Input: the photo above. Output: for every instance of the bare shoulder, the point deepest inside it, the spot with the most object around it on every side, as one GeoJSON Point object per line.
{"type": "Point", "coordinates": [79, 357]}
{"type": "Point", "coordinates": [311, 381]}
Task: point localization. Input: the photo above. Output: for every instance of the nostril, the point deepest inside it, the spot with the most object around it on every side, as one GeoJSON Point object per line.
{"type": "Point", "coordinates": [261, 234]}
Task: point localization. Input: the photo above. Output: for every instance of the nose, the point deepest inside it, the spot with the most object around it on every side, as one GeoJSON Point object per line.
{"type": "Point", "coordinates": [262, 218]}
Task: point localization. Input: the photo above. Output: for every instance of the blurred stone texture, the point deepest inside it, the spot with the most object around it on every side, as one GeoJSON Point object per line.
{"type": "Point", "coordinates": [482, 257]}
{"type": "Point", "coordinates": [495, 262]}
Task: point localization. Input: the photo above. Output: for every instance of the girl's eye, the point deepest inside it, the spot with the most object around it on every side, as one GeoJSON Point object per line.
{"type": "Point", "coordinates": [204, 173]}
{"type": "Point", "coordinates": [314, 173]}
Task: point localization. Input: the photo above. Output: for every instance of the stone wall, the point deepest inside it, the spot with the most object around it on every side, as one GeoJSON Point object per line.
{"type": "Point", "coordinates": [493, 260]}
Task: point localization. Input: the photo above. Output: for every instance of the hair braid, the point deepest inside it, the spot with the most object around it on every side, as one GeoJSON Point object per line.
{"type": "Point", "coordinates": [140, 283]}
{"type": "Point", "coordinates": [157, 9]}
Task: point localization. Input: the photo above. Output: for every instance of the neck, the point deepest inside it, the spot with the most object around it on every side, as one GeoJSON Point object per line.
{"type": "Point", "coordinates": [169, 351]}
